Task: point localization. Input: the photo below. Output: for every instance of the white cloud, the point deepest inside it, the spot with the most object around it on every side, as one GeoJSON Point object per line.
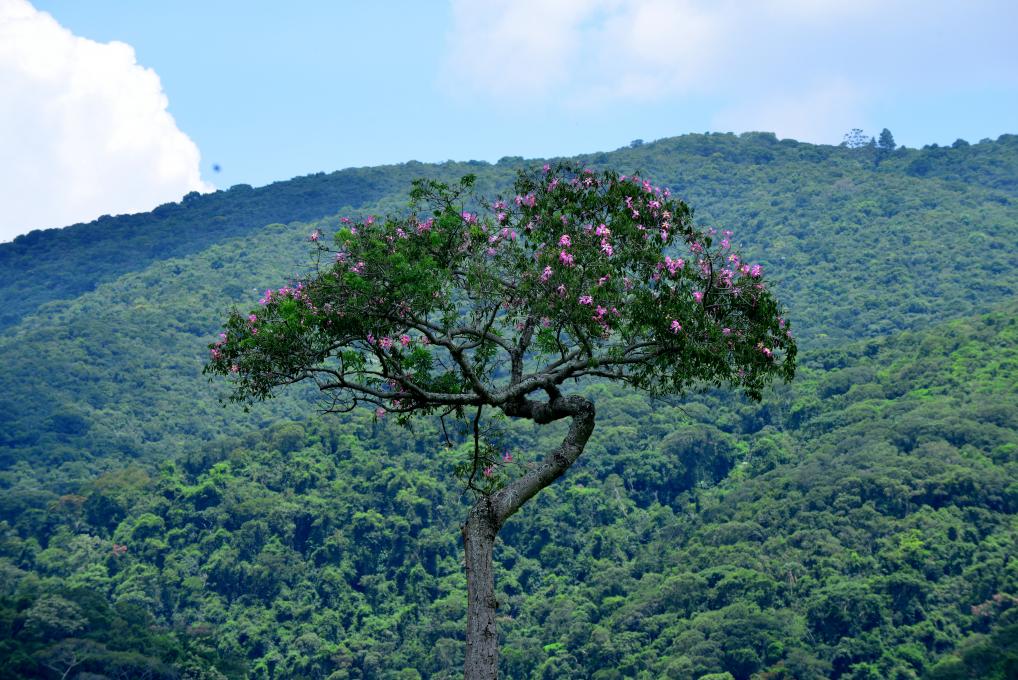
{"type": "Point", "coordinates": [84, 128]}
{"type": "Point", "coordinates": [767, 64]}
{"type": "Point", "coordinates": [581, 50]}
{"type": "Point", "coordinates": [502, 46]}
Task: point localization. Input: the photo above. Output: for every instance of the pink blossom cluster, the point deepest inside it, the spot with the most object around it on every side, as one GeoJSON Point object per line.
{"type": "Point", "coordinates": [296, 292]}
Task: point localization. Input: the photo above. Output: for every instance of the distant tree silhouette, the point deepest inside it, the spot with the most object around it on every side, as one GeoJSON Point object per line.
{"type": "Point", "coordinates": [886, 141]}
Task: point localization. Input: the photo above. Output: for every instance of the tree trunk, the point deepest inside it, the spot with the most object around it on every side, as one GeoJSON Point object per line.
{"type": "Point", "coordinates": [482, 641]}
{"type": "Point", "coordinates": [490, 513]}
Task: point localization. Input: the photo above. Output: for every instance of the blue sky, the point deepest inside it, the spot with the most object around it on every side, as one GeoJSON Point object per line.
{"type": "Point", "coordinates": [268, 90]}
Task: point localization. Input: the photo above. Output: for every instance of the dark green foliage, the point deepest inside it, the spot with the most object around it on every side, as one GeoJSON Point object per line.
{"type": "Point", "coordinates": [860, 524]}
{"type": "Point", "coordinates": [837, 547]}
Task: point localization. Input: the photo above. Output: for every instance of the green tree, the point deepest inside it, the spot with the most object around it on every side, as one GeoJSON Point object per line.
{"type": "Point", "coordinates": [886, 141]}
{"type": "Point", "coordinates": [855, 139]}
{"type": "Point", "coordinates": [465, 316]}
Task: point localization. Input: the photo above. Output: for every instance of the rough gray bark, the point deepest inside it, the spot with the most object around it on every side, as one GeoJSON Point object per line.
{"type": "Point", "coordinates": [488, 515]}
{"type": "Point", "coordinates": [479, 533]}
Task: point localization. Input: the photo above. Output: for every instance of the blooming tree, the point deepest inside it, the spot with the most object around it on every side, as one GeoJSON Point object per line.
{"type": "Point", "coordinates": [465, 307]}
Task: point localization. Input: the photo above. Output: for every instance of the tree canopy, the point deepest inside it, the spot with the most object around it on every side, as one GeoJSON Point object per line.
{"type": "Point", "coordinates": [580, 274]}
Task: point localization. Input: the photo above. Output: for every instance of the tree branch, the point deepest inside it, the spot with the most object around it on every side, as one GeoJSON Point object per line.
{"type": "Point", "coordinates": [510, 498]}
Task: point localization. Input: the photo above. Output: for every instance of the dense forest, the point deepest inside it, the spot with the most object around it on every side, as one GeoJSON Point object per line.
{"type": "Point", "coordinates": [858, 523]}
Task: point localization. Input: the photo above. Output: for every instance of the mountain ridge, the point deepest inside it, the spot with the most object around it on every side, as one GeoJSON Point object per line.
{"type": "Point", "coordinates": [73, 259]}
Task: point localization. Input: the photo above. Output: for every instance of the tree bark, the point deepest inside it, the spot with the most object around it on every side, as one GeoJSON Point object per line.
{"type": "Point", "coordinates": [490, 512]}
{"type": "Point", "coordinates": [479, 533]}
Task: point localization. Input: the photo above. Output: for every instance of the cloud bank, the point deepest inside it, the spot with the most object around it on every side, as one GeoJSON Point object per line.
{"type": "Point", "coordinates": [810, 69]}
{"type": "Point", "coordinates": [84, 128]}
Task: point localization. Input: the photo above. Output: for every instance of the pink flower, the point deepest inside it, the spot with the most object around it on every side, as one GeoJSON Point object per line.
{"type": "Point", "coordinates": [357, 268]}
{"type": "Point", "coordinates": [469, 218]}
{"type": "Point", "coordinates": [600, 312]}
{"type": "Point", "coordinates": [385, 342]}
{"type": "Point", "coordinates": [234, 368]}
{"type": "Point", "coordinates": [603, 230]}
{"type": "Point", "coordinates": [726, 331]}
{"type": "Point", "coordinates": [561, 290]}
{"type": "Point", "coordinates": [546, 167]}
{"type": "Point", "coordinates": [698, 296]}
{"type": "Point", "coordinates": [252, 318]}
{"type": "Point", "coordinates": [756, 271]}
{"type": "Point", "coordinates": [566, 258]}
{"type": "Point", "coordinates": [604, 279]}
{"type": "Point", "coordinates": [315, 235]}
{"type": "Point", "coordinates": [586, 300]}
{"type": "Point", "coordinates": [379, 412]}
{"type": "Point", "coordinates": [676, 326]}
{"type": "Point", "coordinates": [726, 244]}
{"type": "Point", "coordinates": [404, 340]}
{"type": "Point", "coordinates": [489, 471]}
{"type": "Point", "coordinates": [546, 274]}
{"type": "Point", "coordinates": [606, 248]}
{"type": "Point", "coordinates": [675, 265]}
{"type": "Point", "coordinates": [507, 457]}
{"type": "Point", "coordinates": [565, 241]}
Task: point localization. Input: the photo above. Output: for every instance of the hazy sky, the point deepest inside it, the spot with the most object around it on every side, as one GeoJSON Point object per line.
{"type": "Point", "coordinates": [116, 106]}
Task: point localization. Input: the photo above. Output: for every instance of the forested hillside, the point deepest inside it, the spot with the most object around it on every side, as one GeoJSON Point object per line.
{"type": "Point", "coordinates": [859, 523]}
{"type": "Point", "coordinates": [793, 193]}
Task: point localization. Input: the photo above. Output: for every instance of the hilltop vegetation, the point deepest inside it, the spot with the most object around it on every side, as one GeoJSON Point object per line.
{"type": "Point", "coordinates": [857, 524]}
{"type": "Point", "coordinates": [787, 194]}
